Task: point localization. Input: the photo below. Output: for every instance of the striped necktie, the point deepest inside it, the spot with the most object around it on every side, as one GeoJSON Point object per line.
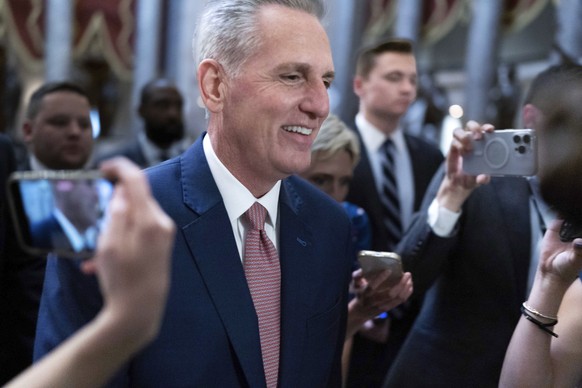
{"type": "Point", "coordinates": [263, 273]}
{"type": "Point", "coordinates": [389, 197]}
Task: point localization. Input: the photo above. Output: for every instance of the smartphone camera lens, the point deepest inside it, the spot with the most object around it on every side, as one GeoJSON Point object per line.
{"type": "Point", "coordinates": [516, 139]}
{"type": "Point", "coordinates": [521, 149]}
{"type": "Point", "coordinates": [526, 139]}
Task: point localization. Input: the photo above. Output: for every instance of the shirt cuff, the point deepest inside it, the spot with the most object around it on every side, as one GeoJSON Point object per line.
{"type": "Point", "coordinates": [441, 220]}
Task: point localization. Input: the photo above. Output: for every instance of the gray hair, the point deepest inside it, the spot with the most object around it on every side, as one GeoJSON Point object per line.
{"type": "Point", "coordinates": [335, 136]}
{"type": "Point", "coordinates": [227, 31]}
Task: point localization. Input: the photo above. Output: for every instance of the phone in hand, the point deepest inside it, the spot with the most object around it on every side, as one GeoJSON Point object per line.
{"type": "Point", "coordinates": [505, 152]}
{"type": "Point", "coordinates": [375, 261]}
{"type": "Point", "coordinates": [571, 229]}
{"type": "Point", "coordinates": [59, 212]}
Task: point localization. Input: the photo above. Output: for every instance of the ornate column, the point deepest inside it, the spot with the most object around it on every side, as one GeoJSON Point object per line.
{"type": "Point", "coordinates": [345, 22]}
{"type": "Point", "coordinates": [408, 19]}
{"type": "Point", "coordinates": [185, 66]}
{"type": "Point", "coordinates": [481, 61]}
{"type": "Point", "coordinates": [569, 28]}
{"type": "Point", "coordinates": [58, 43]}
{"type": "Point", "coordinates": [147, 48]}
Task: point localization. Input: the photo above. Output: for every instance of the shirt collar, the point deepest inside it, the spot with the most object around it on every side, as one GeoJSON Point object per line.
{"type": "Point", "coordinates": [75, 238]}
{"type": "Point", "coordinates": [237, 198]}
{"type": "Point", "coordinates": [152, 152]}
{"type": "Point", "coordinates": [373, 138]}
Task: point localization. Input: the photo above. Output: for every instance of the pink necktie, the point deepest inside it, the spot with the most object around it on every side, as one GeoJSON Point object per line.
{"type": "Point", "coordinates": [263, 273]}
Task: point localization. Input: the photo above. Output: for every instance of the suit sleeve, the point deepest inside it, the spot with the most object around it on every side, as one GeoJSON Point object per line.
{"type": "Point", "coordinates": [69, 300]}
{"type": "Point", "coordinates": [423, 253]}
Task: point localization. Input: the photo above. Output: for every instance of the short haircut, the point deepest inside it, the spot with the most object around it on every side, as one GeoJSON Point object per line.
{"type": "Point", "coordinates": [228, 30]}
{"type": "Point", "coordinates": [553, 78]}
{"type": "Point", "coordinates": [335, 136]}
{"type": "Point", "coordinates": [35, 101]}
{"type": "Point", "coordinates": [150, 87]}
{"type": "Point", "coordinates": [367, 56]}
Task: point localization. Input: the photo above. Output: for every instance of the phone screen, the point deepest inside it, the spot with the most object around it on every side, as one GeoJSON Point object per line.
{"type": "Point", "coordinates": [59, 213]}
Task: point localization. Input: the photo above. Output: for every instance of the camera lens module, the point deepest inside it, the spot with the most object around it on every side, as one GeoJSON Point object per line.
{"type": "Point", "coordinates": [526, 139]}
{"type": "Point", "coordinates": [516, 139]}
{"type": "Point", "coordinates": [521, 149]}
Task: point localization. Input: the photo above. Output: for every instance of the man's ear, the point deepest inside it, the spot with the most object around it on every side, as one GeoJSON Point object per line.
{"type": "Point", "coordinates": [530, 116]}
{"type": "Point", "coordinates": [27, 131]}
{"type": "Point", "coordinates": [357, 84]}
{"type": "Point", "coordinates": [211, 83]}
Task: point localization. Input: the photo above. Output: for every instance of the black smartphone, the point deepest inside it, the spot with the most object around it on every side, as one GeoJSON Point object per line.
{"type": "Point", "coordinates": [59, 212]}
{"type": "Point", "coordinates": [373, 261]}
{"type": "Point", "coordinates": [570, 230]}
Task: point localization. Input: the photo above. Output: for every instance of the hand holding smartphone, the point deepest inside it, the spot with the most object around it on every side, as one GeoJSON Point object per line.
{"type": "Point", "coordinates": [504, 152]}
{"type": "Point", "coordinates": [375, 261]}
{"type": "Point", "coordinates": [60, 212]}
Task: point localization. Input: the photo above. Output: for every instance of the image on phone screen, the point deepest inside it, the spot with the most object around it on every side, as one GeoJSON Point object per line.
{"type": "Point", "coordinates": [63, 216]}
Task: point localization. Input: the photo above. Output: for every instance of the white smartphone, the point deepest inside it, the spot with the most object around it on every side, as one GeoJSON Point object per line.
{"type": "Point", "coordinates": [374, 261]}
{"type": "Point", "coordinates": [505, 152]}
{"type": "Point", "coordinates": [60, 212]}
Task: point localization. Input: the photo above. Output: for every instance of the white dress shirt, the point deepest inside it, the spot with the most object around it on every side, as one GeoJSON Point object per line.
{"type": "Point", "coordinates": [373, 139]}
{"type": "Point", "coordinates": [238, 199]}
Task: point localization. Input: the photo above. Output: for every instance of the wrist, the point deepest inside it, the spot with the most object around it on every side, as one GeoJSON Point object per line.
{"type": "Point", "coordinates": [451, 196]}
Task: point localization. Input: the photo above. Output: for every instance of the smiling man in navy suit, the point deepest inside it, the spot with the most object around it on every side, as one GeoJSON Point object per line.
{"type": "Point", "coordinates": [264, 70]}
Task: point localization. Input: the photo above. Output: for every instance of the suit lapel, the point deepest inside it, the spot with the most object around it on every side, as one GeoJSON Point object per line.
{"type": "Point", "coordinates": [364, 185]}
{"type": "Point", "coordinates": [296, 254]}
{"type": "Point", "coordinates": [213, 248]}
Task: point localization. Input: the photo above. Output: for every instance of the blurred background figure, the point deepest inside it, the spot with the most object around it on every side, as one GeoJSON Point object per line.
{"type": "Point", "coordinates": [57, 133]}
{"type": "Point", "coordinates": [163, 136]}
{"type": "Point", "coordinates": [389, 182]}
{"type": "Point", "coordinates": [334, 154]}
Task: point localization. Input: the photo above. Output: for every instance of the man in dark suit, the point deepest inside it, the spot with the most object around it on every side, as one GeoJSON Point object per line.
{"type": "Point", "coordinates": [386, 84]}
{"type": "Point", "coordinates": [8, 367]}
{"type": "Point", "coordinates": [163, 137]}
{"type": "Point", "coordinates": [474, 248]}
{"type": "Point", "coordinates": [263, 77]}
{"type": "Point", "coordinates": [57, 132]}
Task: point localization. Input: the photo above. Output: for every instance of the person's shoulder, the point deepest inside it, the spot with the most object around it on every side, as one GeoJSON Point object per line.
{"type": "Point", "coordinates": [421, 143]}
{"type": "Point", "coordinates": [129, 149]}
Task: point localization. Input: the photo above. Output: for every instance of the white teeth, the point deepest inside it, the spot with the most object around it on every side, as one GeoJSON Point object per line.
{"type": "Point", "coordinates": [301, 130]}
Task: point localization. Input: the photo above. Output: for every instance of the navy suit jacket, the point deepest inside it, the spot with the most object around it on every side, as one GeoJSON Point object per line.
{"type": "Point", "coordinates": [21, 277]}
{"type": "Point", "coordinates": [49, 233]}
{"type": "Point", "coordinates": [209, 335]}
{"type": "Point", "coordinates": [425, 159]}
{"type": "Point", "coordinates": [476, 281]}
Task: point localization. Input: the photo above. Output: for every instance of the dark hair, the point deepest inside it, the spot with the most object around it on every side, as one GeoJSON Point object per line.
{"type": "Point", "coordinates": [149, 88]}
{"type": "Point", "coordinates": [551, 79]}
{"type": "Point", "coordinates": [35, 101]}
{"type": "Point", "coordinates": [367, 56]}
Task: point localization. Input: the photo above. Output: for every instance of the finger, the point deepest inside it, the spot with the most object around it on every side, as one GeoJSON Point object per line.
{"type": "Point", "coordinates": [129, 175]}
{"type": "Point", "coordinates": [117, 221]}
{"type": "Point", "coordinates": [377, 278]}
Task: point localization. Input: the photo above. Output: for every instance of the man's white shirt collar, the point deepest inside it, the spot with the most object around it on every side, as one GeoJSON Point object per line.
{"type": "Point", "coordinates": [373, 138]}
{"type": "Point", "coordinates": [237, 198]}
{"type": "Point", "coordinates": [152, 152]}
